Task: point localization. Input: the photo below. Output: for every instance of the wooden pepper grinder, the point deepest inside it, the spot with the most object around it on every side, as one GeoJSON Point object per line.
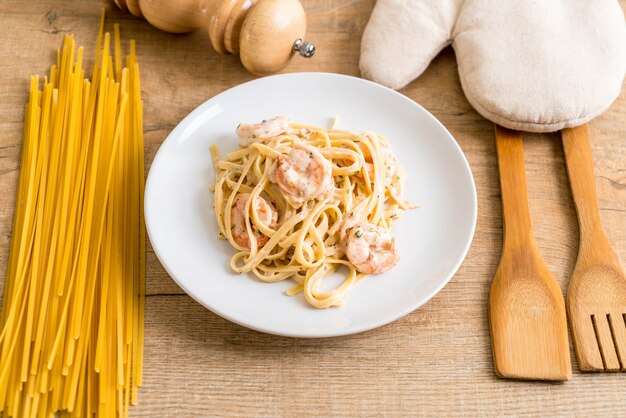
{"type": "Point", "coordinates": [265, 33]}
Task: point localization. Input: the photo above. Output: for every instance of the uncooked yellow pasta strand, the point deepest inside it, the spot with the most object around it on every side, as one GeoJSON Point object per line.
{"type": "Point", "coordinates": [77, 217]}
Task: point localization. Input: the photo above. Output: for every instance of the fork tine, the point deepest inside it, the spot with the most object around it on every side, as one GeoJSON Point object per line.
{"type": "Point", "coordinates": [605, 339]}
{"type": "Point", "coordinates": [587, 350]}
{"type": "Point", "coordinates": [618, 327]}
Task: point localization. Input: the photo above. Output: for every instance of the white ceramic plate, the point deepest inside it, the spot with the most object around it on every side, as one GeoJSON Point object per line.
{"type": "Point", "coordinates": [432, 240]}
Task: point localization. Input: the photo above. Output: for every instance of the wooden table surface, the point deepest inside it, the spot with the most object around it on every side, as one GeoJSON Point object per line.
{"type": "Point", "coordinates": [435, 361]}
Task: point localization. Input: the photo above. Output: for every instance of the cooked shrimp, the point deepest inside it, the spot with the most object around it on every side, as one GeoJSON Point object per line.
{"type": "Point", "coordinates": [250, 133]}
{"type": "Point", "coordinates": [347, 224]}
{"type": "Point", "coordinates": [303, 174]}
{"type": "Point", "coordinates": [371, 249]}
{"type": "Point", "coordinates": [265, 212]}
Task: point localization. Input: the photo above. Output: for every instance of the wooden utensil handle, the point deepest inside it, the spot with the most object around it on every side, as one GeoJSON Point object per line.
{"type": "Point", "coordinates": [515, 213]}
{"type": "Point", "coordinates": [582, 182]}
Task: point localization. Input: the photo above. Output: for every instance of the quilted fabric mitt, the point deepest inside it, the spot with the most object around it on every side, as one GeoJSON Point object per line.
{"type": "Point", "coordinates": [532, 65]}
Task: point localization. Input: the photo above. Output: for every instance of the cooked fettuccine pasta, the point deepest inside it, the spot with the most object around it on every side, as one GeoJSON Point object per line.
{"type": "Point", "coordinates": [298, 202]}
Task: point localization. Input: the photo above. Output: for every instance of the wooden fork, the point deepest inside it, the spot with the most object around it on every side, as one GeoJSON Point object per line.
{"type": "Point", "coordinates": [596, 297]}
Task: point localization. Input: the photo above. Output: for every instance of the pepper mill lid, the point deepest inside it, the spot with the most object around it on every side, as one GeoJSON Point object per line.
{"type": "Point", "coordinates": [272, 31]}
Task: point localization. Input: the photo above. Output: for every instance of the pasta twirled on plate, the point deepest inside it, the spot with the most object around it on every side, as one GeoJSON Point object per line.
{"type": "Point", "coordinates": [298, 202]}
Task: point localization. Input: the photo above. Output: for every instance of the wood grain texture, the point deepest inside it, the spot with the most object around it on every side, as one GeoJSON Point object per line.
{"type": "Point", "coordinates": [526, 307]}
{"type": "Point", "coordinates": [434, 362]}
{"type": "Point", "coordinates": [268, 34]}
{"type": "Point", "coordinates": [596, 295]}
{"type": "Point", "coordinates": [264, 35]}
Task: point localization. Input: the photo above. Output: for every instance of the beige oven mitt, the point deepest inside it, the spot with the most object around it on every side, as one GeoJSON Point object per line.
{"type": "Point", "coordinates": [532, 65]}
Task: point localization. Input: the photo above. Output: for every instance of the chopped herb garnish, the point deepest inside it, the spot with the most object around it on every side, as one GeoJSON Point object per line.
{"type": "Point", "coordinates": [358, 233]}
{"type": "Point", "coordinates": [253, 136]}
{"type": "Point", "coordinates": [310, 155]}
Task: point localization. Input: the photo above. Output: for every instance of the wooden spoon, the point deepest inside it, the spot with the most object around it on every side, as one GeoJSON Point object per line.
{"type": "Point", "coordinates": [596, 297]}
{"type": "Point", "coordinates": [526, 307]}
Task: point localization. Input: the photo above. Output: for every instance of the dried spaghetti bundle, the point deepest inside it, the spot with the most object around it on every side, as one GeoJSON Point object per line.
{"type": "Point", "coordinates": [71, 329]}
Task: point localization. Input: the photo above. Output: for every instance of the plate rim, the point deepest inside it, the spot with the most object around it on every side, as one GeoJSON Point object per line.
{"type": "Point", "coordinates": [350, 330]}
